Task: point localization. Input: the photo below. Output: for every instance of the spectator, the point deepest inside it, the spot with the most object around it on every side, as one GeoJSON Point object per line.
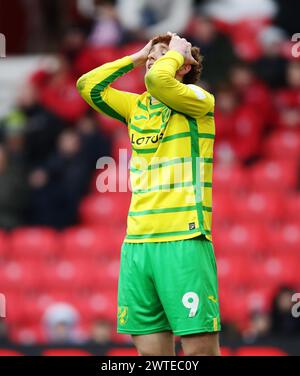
{"type": "Point", "coordinates": [94, 143]}
{"type": "Point", "coordinates": [252, 92]}
{"type": "Point", "coordinates": [106, 29]}
{"type": "Point", "coordinates": [259, 327]}
{"type": "Point", "coordinates": [214, 46]}
{"type": "Point", "coordinates": [57, 187]}
{"type": "Point", "coordinates": [61, 324]}
{"type": "Point", "coordinates": [4, 337]}
{"type": "Point", "coordinates": [12, 192]}
{"type": "Point", "coordinates": [288, 15]}
{"type": "Point", "coordinates": [287, 100]}
{"type": "Point", "coordinates": [41, 127]}
{"type": "Point", "coordinates": [101, 332]}
{"type": "Point", "coordinates": [235, 10]}
{"type": "Point", "coordinates": [283, 323]}
{"type": "Point", "coordinates": [272, 65]}
{"type": "Point", "coordinates": [239, 128]}
{"type": "Point", "coordinates": [57, 90]}
{"type": "Point", "coordinates": [148, 18]}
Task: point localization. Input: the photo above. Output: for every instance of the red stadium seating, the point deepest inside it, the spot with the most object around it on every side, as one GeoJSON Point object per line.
{"type": "Point", "coordinates": [91, 58]}
{"type": "Point", "coordinates": [17, 276]}
{"type": "Point", "coordinates": [274, 176]}
{"type": "Point", "coordinates": [234, 308]}
{"type": "Point", "coordinates": [121, 351]}
{"type": "Point", "coordinates": [8, 352]}
{"type": "Point", "coordinates": [232, 270]}
{"type": "Point", "coordinates": [284, 239]}
{"type": "Point", "coordinates": [229, 178]}
{"type": "Point", "coordinates": [108, 125]}
{"type": "Point", "coordinates": [28, 333]}
{"type": "Point", "coordinates": [92, 241]}
{"type": "Point", "coordinates": [33, 242]}
{"type": "Point", "coordinates": [258, 207]}
{"type": "Point", "coordinates": [66, 275]}
{"type": "Point", "coordinates": [133, 82]}
{"type": "Point", "coordinates": [277, 270]}
{"type": "Point", "coordinates": [222, 209]}
{"type": "Point", "coordinates": [225, 351]}
{"type": "Point", "coordinates": [292, 207]}
{"type": "Point", "coordinates": [240, 239]}
{"type": "Point", "coordinates": [101, 208]}
{"type": "Point", "coordinates": [121, 142]}
{"type": "Point", "coordinates": [97, 305]}
{"type": "Point", "coordinates": [65, 352]}
{"type": "Point", "coordinates": [259, 351]}
{"type": "Point", "coordinates": [283, 145]}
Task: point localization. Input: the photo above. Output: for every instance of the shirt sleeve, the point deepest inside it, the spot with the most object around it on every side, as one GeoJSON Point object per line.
{"type": "Point", "coordinates": [162, 85]}
{"type": "Point", "coordinates": [95, 89]}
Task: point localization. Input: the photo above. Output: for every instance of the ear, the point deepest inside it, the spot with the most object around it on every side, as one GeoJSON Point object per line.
{"type": "Point", "coordinates": [184, 69]}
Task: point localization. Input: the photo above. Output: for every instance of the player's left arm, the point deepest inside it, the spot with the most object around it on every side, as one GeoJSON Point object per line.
{"type": "Point", "coordinates": [162, 85]}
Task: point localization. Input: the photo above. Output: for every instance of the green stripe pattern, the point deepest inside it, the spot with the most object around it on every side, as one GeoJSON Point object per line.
{"type": "Point", "coordinates": [196, 170]}
{"type": "Point", "coordinates": [167, 234]}
{"type": "Point", "coordinates": [100, 87]}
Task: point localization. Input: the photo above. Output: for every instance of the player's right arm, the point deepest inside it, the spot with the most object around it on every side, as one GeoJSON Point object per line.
{"type": "Point", "coordinates": [95, 89]}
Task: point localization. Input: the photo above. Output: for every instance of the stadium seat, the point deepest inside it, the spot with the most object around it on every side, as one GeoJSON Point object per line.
{"type": "Point", "coordinates": [27, 333]}
{"type": "Point", "coordinates": [258, 207]}
{"type": "Point", "coordinates": [92, 241]}
{"type": "Point", "coordinates": [101, 208]}
{"type": "Point", "coordinates": [239, 238]}
{"type": "Point", "coordinates": [292, 207]}
{"type": "Point", "coordinates": [222, 207]}
{"type": "Point", "coordinates": [8, 352]}
{"type": "Point", "coordinates": [108, 126]}
{"type": "Point", "coordinates": [274, 176]}
{"type": "Point", "coordinates": [259, 299]}
{"type": "Point", "coordinates": [282, 145]}
{"type": "Point", "coordinates": [17, 276]}
{"type": "Point", "coordinates": [120, 143]}
{"type": "Point", "coordinates": [277, 270]}
{"type": "Point", "coordinates": [131, 48]}
{"type": "Point", "coordinates": [233, 307]}
{"type": "Point", "coordinates": [100, 304]}
{"type": "Point", "coordinates": [226, 351]}
{"type": "Point", "coordinates": [91, 58]}
{"type": "Point", "coordinates": [259, 351]}
{"type": "Point", "coordinates": [229, 178]}
{"type": "Point", "coordinates": [34, 242]}
{"type": "Point", "coordinates": [133, 82]}
{"type": "Point", "coordinates": [16, 309]}
{"type": "Point", "coordinates": [65, 352]}
{"type": "Point", "coordinates": [232, 270]}
{"type": "Point", "coordinates": [122, 351]}
{"type": "Point", "coordinates": [284, 239]}
{"type": "Point", "coordinates": [67, 275]}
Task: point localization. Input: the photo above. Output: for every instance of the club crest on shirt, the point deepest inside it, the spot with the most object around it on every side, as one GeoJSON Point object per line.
{"type": "Point", "coordinates": [123, 315]}
{"type": "Point", "coordinates": [192, 226]}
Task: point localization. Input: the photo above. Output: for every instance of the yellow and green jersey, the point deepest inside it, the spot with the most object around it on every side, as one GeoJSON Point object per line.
{"type": "Point", "coordinates": [171, 129]}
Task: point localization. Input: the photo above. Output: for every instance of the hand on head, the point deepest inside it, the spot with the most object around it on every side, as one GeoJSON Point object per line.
{"type": "Point", "coordinates": [182, 46]}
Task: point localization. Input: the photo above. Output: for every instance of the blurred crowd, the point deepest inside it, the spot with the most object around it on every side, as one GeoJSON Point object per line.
{"type": "Point", "coordinates": [51, 140]}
